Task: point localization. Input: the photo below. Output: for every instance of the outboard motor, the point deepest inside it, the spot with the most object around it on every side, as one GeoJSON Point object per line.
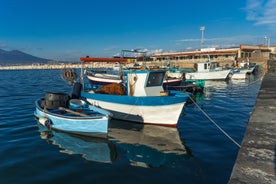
{"type": "Point", "coordinates": [55, 100]}
{"type": "Point", "coordinates": [76, 93]}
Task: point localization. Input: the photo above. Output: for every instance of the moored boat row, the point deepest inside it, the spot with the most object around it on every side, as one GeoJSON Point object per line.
{"type": "Point", "coordinates": [140, 99]}
{"type": "Point", "coordinates": [140, 95]}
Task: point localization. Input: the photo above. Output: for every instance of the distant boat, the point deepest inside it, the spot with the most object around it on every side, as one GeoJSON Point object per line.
{"type": "Point", "coordinates": [96, 78]}
{"type": "Point", "coordinates": [170, 82]}
{"type": "Point", "coordinates": [175, 73]}
{"type": "Point", "coordinates": [140, 99]}
{"type": "Point", "coordinates": [241, 71]}
{"type": "Point", "coordinates": [78, 117]}
{"type": "Point", "coordinates": [208, 71]}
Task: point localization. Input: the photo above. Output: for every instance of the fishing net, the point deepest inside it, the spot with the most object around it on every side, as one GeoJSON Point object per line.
{"type": "Point", "coordinates": [114, 89]}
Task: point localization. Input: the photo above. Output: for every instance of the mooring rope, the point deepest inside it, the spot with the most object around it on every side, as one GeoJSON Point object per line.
{"type": "Point", "coordinates": [215, 123]}
{"type": "Point", "coordinates": [259, 79]}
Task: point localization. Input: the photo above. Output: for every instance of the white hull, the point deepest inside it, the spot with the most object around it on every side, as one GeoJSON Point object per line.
{"type": "Point", "coordinates": [104, 80]}
{"type": "Point", "coordinates": [161, 115]}
{"type": "Point", "coordinates": [242, 74]}
{"type": "Point", "coordinates": [239, 75]}
{"type": "Point", "coordinates": [212, 75]}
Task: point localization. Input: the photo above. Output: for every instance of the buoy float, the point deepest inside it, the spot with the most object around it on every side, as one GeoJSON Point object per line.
{"type": "Point", "coordinates": [45, 122]}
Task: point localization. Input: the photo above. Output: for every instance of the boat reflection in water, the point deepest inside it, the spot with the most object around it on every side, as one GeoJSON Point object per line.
{"type": "Point", "coordinates": [128, 143]}
{"type": "Point", "coordinates": [91, 148]}
{"type": "Point", "coordinates": [148, 145]}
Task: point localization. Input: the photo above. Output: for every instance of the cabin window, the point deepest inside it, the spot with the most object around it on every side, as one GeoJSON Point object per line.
{"type": "Point", "coordinates": [155, 79]}
{"type": "Point", "coordinates": [205, 66]}
{"type": "Point", "coordinates": [213, 66]}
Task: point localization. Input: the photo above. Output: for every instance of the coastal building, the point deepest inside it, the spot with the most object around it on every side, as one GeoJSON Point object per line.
{"type": "Point", "coordinates": [255, 54]}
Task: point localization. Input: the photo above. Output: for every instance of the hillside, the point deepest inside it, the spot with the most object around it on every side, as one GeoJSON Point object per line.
{"type": "Point", "coordinates": [16, 57]}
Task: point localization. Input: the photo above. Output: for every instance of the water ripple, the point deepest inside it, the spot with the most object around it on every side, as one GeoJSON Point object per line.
{"type": "Point", "coordinates": [28, 157]}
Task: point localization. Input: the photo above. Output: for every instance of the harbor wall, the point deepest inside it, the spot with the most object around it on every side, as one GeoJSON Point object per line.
{"type": "Point", "coordinates": [256, 160]}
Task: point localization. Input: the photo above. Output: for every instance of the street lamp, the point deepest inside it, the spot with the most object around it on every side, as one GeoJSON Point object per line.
{"type": "Point", "coordinates": [202, 29]}
{"type": "Point", "coordinates": [267, 40]}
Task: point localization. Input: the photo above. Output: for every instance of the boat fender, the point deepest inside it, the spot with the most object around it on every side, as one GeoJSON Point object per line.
{"type": "Point", "coordinates": [45, 122]}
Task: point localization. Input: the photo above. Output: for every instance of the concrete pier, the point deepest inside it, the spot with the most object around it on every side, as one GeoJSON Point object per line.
{"type": "Point", "coordinates": [256, 161]}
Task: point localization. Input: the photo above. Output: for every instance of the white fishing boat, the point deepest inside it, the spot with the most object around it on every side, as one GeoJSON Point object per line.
{"type": "Point", "coordinates": [242, 70]}
{"type": "Point", "coordinates": [209, 71]}
{"type": "Point", "coordinates": [241, 73]}
{"type": "Point", "coordinates": [141, 98]}
{"type": "Point", "coordinates": [96, 78]}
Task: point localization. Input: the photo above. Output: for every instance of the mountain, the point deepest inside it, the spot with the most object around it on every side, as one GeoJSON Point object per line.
{"type": "Point", "coordinates": [16, 57]}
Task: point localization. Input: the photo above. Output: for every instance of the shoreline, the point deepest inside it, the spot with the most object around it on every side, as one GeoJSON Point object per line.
{"type": "Point", "coordinates": [160, 64]}
{"type": "Point", "coordinates": [50, 66]}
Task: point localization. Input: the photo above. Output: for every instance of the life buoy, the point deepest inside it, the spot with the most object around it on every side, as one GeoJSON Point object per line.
{"type": "Point", "coordinates": [68, 74]}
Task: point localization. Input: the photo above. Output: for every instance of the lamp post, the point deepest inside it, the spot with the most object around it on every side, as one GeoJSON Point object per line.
{"type": "Point", "coordinates": [267, 41]}
{"type": "Point", "coordinates": [202, 29]}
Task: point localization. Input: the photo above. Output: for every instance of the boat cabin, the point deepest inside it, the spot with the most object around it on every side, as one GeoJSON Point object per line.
{"type": "Point", "coordinates": [208, 66]}
{"type": "Point", "coordinates": [144, 82]}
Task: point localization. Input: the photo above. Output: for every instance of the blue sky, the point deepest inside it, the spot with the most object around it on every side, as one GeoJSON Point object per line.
{"type": "Point", "coordinates": [69, 29]}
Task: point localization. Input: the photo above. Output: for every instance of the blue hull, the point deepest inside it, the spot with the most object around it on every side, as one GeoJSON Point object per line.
{"type": "Point", "coordinates": [94, 124]}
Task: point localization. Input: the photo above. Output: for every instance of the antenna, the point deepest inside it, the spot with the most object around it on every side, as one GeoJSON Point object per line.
{"type": "Point", "coordinates": [202, 29]}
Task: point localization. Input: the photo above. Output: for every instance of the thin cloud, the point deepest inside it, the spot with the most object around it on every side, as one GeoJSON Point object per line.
{"type": "Point", "coordinates": [3, 46]}
{"type": "Point", "coordinates": [189, 40]}
{"type": "Point", "coordinates": [221, 42]}
{"type": "Point", "coordinates": [262, 12]}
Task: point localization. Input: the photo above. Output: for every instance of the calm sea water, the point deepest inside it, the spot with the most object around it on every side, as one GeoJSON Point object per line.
{"type": "Point", "coordinates": [194, 152]}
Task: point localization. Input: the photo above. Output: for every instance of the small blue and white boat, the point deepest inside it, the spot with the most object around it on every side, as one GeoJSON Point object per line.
{"type": "Point", "coordinates": [57, 111]}
{"type": "Point", "coordinates": [141, 99]}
